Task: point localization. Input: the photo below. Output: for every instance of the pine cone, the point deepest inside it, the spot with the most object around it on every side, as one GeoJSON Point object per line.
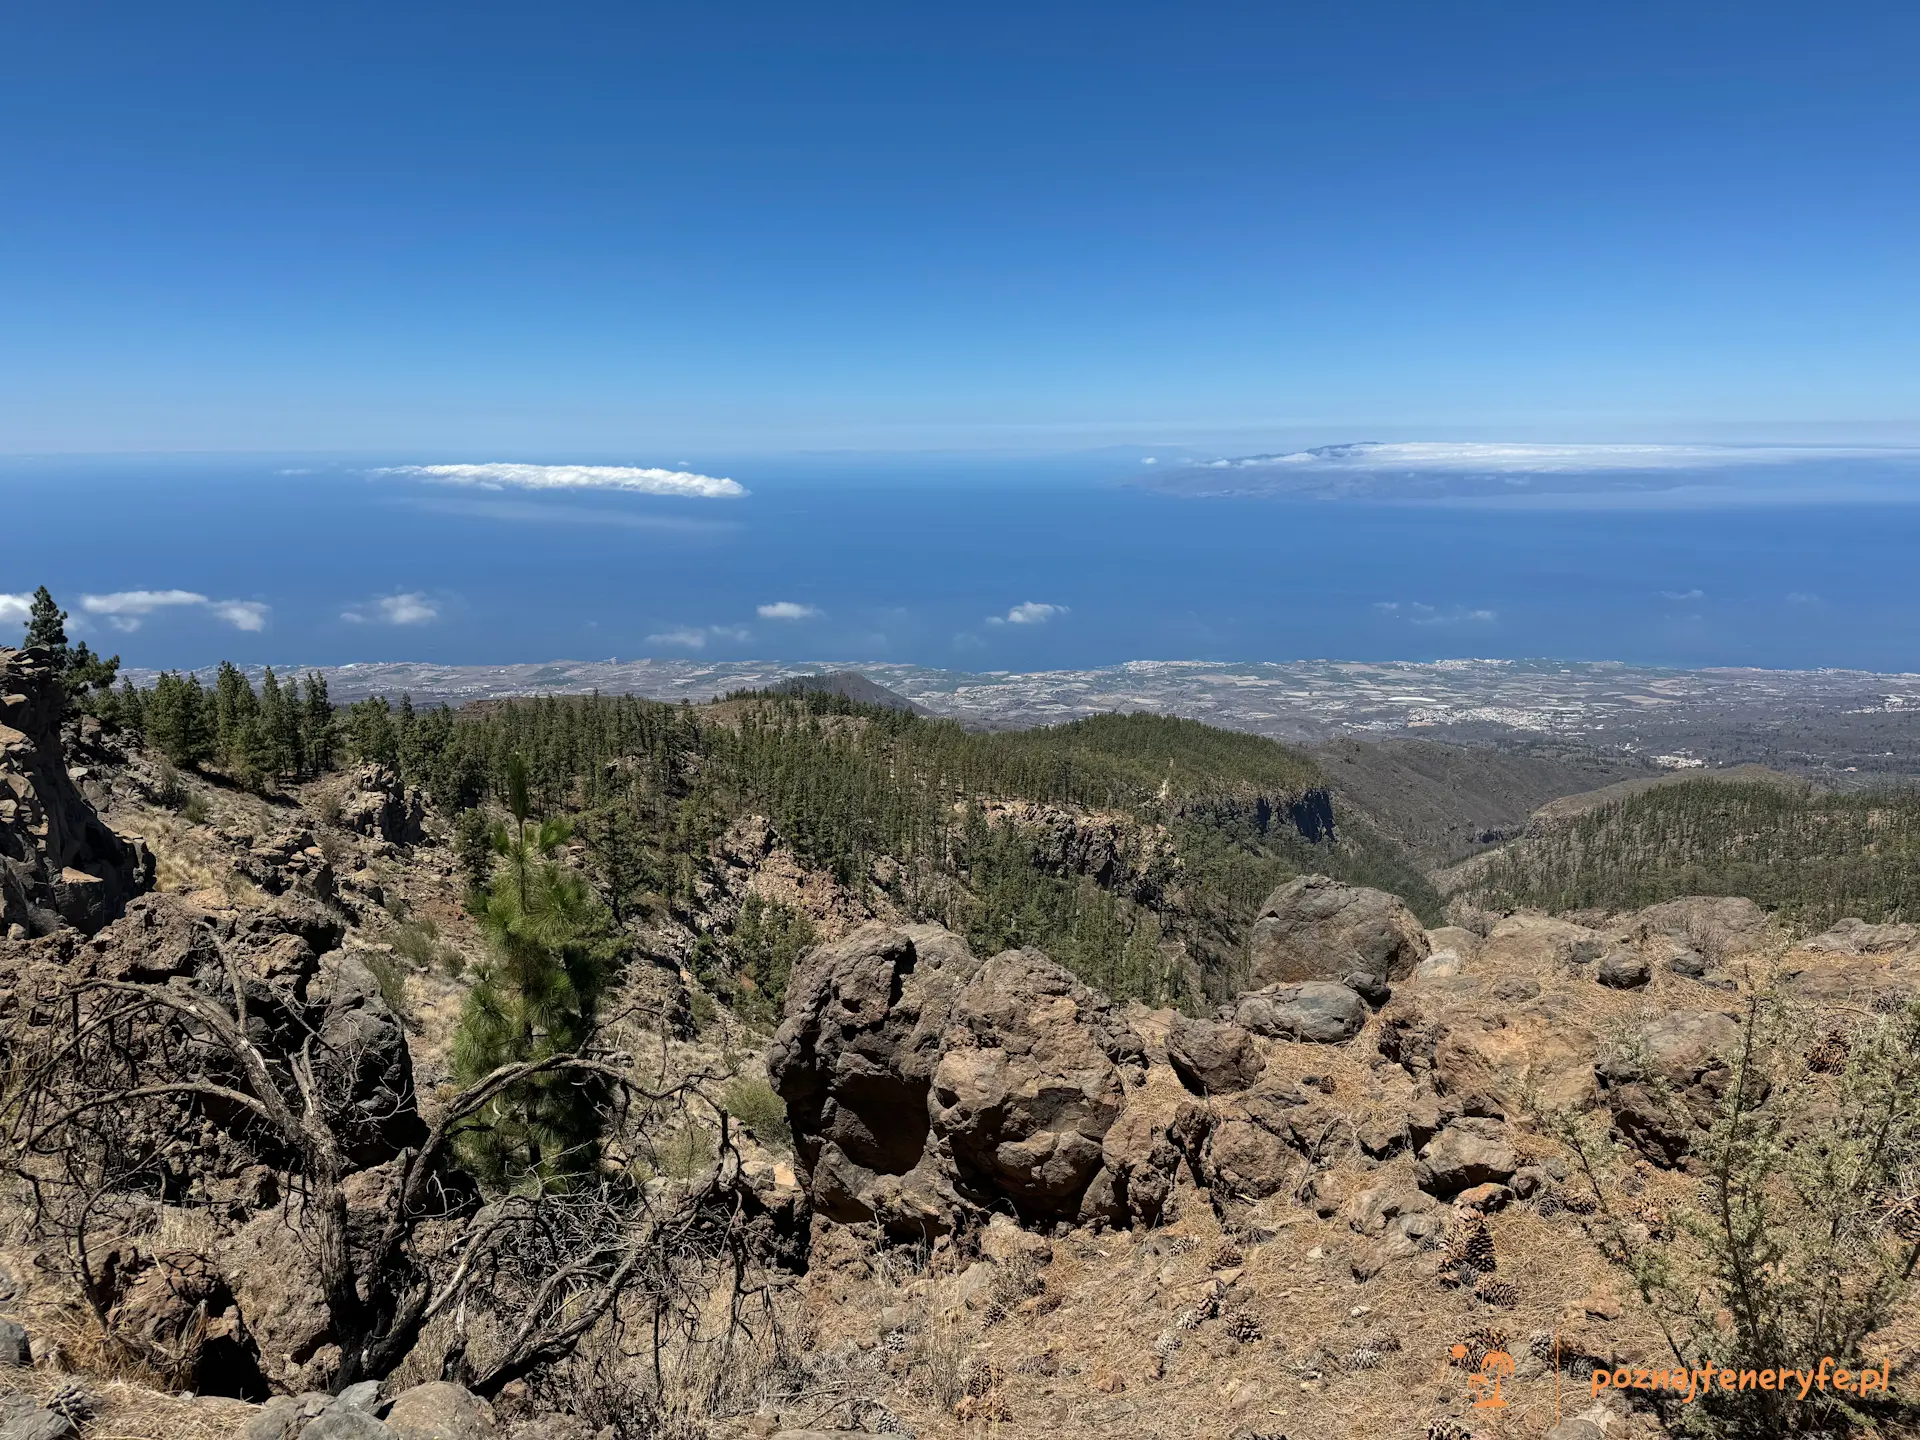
{"type": "Point", "coordinates": [1477, 1251]}
{"type": "Point", "coordinates": [1499, 1292]}
{"type": "Point", "coordinates": [1579, 1202]}
{"type": "Point", "coordinates": [1476, 1345]}
{"type": "Point", "coordinates": [1829, 1057]}
{"type": "Point", "coordinates": [1226, 1256]}
{"type": "Point", "coordinates": [1243, 1327]}
{"type": "Point", "coordinates": [1540, 1345]}
{"type": "Point", "coordinates": [1044, 1363]}
{"type": "Point", "coordinates": [74, 1403]}
{"type": "Point", "coordinates": [1447, 1430]}
{"type": "Point", "coordinates": [1364, 1358]}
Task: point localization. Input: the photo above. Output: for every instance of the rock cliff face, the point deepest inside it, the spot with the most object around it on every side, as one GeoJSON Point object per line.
{"type": "Point", "coordinates": [59, 864]}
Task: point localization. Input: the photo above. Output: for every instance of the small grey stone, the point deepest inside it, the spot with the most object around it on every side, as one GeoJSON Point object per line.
{"type": "Point", "coordinates": [1623, 970]}
{"type": "Point", "coordinates": [1527, 1179]}
{"type": "Point", "coordinates": [346, 1425]}
{"type": "Point", "coordinates": [1556, 1167]}
{"type": "Point", "coordinates": [1688, 963]}
{"type": "Point", "coordinates": [16, 1348]}
{"type": "Point", "coordinates": [1576, 1430]}
{"type": "Point", "coordinates": [281, 1418]}
{"type": "Point", "coordinates": [1369, 987]}
{"type": "Point", "coordinates": [1520, 987]}
{"type": "Point", "coordinates": [364, 1396]}
{"type": "Point", "coordinates": [1585, 952]}
{"type": "Point", "coordinates": [440, 1410]}
{"type": "Point", "coordinates": [33, 1423]}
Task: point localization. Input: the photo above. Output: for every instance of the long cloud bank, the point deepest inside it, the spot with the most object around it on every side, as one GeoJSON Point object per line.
{"type": "Point", "coordinates": [635, 479]}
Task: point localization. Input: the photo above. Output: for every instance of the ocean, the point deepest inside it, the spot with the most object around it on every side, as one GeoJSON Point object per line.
{"type": "Point", "coordinates": [980, 563]}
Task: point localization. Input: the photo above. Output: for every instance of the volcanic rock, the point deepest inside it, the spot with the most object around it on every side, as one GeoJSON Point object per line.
{"type": "Point", "coordinates": [1212, 1056]}
{"type": "Point", "coordinates": [59, 863]}
{"type": "Point", "coordinates": [1319, 1011]}
{"type": "Point", "coordinates": [1316, 928]}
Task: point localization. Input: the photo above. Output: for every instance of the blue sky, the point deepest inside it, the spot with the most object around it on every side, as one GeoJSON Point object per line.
{"type": "Point", "coordinates": [626, 231]}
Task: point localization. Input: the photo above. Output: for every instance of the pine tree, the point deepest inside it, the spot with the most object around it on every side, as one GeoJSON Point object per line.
{"type": "Point", "coordinates": [316, 725]}
{"type": "Point", "coordinates": [82, 673]}
{"type": "Point", "coordinates": [276, 747]}
{"type": "Point", "coordinates": [179, 720]}
{"type": "Point", "coordinates": [616, 850]}
{"type": "Point", "coordinates": [473, 851]}
{"type": "Point", "coordinates": [554, 948]}
{"type": "Point", "coordinates": [370, 724]}
{"type": "Point", "coordinates": [47, 627]}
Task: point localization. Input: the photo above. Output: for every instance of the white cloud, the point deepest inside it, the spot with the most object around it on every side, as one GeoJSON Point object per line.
{"type": "Point", "coordinates": [1418, 613]}
{"type": "Point", "coordinates": [695, 637]}
{"type": "Point", "coordinates": [128, 609]}
{"type": "Point", "coordinates": [15, 607]}
{"type": "Point", "coordinates": [1030, 612]}
{"type": "Point", "coordinates": [1802, 597]}
{"type": "Point", "coordinates": [641, 480]}
{"type": "Point", "coordinates": [1428, 455]}
{"type": "Point", "coordinates": [788, 610]}
{"type": "Point", "coordinates": [687, 636]}
{"type": "Point", "coordinates": [411, 608]}
{"type": "Point", "coordinates": [1683, 594]}
{"type": "Point", "coordinates": [242, 614]}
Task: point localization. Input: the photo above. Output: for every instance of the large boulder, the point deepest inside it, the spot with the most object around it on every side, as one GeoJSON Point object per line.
{"type": "Point", "coordinates": [1142, 1152]}
{"type": "Point", "coordinates": [1030, 1081]}
{"type": "Point", "coordinates": [1666, 1084]}
{"type": "Point", "coordinates": [854, 1059]}
{"type": "Point", "coordinates": [1470, 1151]}
{"type": "Point", "coordinates": [1213, 1057]}
{"type": "Point", "coordinates": [1716, 926]}
{"type": "Point", "coordinates": [1316, 928]}
{"type": "Point", "coordinates": [1266, 1140]}
{"type": "Point", "coordinates": [441, 1410]}
{"type": "Point", "coordinates": [1320, 1012]}
{"type": "Point", "coordinates": [59, 863]}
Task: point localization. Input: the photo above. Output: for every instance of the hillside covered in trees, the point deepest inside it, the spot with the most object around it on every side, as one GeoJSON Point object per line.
{"type": "Point", "coordinates": [874, 796]}
{"type": "Point", "coordinates": [1812, 856]}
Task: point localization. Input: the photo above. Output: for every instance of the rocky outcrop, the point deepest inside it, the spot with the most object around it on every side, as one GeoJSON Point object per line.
{"type": "Point", "coordinates": [1030, 1081]}
{"type": "Point", "coordinates": [1666, 1083]}
{"type": "Point", "coordinates": [1117, 852]}
{"type": "Point", "coordinates": [59, 863]}
{"type": "Point", "coordinates": [1316, 928]}
{"type": "Point", "coordinates": [249, 1312]}
{"type": "Point", "coordinates": [854, 1061]}
{"type": "Point", "coordinates": [924, 1085]}
{"type": "Point", "coordinates": [374, 801]}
